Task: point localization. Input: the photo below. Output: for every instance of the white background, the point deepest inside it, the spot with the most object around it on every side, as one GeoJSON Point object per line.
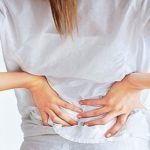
{"type": "Point", "coordinates": [11, 135]}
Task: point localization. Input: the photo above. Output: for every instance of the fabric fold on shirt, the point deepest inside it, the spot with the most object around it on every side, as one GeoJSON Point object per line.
{"type": "Point", "coordinates": [95, 134]}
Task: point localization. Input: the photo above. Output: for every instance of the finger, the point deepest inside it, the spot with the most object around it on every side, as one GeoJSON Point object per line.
{"type": "Point", "coordinates": [70, 106]}
{"type": "Point", "coordinates": [117, 126]}
{"type": "Point", "coordinates": [44, 117]}
{"type": "Point", "coordinates": [95, 112]}
{"type": "Point", "coordinates": [93, 102]}
{"type": "Point", "coordinates": [55, 118]}
{"type": "Point", "coordinates": [103, 120]}
{"type": "Point", "coordinates": [63, 116]}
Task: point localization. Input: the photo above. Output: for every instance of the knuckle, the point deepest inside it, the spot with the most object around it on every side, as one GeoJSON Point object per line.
{"type": "Point", "coordinates": [121, 122]}
{"type": "Point", "coordinates": [65, 104]}
{"type": "Point", "coordinates": [59, 113]}
{"type": "Point", "coordinates": [53, 118]}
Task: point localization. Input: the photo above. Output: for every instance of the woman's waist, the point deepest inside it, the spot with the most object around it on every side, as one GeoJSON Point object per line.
{"type": "Point", "coordinates": [32, 126]}
{"type": "Point", "coordinates": [94, 134]}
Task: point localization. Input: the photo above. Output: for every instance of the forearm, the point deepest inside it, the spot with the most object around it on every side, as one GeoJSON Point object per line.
{"type": "Point", "coordinates": [11, 80]}
{"type": "Point", "coordinates": [139, 80]}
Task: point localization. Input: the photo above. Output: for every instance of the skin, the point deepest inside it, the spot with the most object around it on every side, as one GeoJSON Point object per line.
{"type": "Point", "coordinates": [49, 102]}
{"type": "Point", "coordinates": [120, 101]}
{"type": "Point", "coordinates": [44, 97]}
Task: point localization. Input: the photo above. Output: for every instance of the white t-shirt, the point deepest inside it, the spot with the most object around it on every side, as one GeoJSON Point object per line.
{"type": "Point", "coordinates": [113, 41]}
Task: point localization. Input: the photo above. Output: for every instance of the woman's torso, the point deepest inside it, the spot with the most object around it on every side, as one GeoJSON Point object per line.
{"type": "Point", "coordinates": [104, 51]}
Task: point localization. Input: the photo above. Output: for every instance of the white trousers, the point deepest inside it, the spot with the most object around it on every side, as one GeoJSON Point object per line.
{"type": "Point", "coordinates": [55, 142]}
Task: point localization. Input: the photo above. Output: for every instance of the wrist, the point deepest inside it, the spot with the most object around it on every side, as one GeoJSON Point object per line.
{"type": "Point", "coordinates": [39, 83]}
{"type": "Point", "coordinates": [133, 81]}
{"type": "Point", "coordinates": [32, 81]}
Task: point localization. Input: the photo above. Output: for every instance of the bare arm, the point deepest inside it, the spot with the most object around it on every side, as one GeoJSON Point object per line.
{"type": "Point", "coordinates": [11, 80]}
{"type": "Point", "coordinates": [122, 98]}
{"type": "Point", "coordinates": [45, 98]}
{"type": "Point", "coordinates": [139, 81]}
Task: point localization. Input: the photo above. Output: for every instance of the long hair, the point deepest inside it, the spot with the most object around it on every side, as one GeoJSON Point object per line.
{"type": "Point", "coordinates": [65, 15]}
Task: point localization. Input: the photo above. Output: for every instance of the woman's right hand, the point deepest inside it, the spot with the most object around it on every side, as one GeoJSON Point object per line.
{"type": "Point", "coordinates": [48, 102]}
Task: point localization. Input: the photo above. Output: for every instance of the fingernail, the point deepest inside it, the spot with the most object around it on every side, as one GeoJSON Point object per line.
{"type": "Point", "coordinates": [108, 135]}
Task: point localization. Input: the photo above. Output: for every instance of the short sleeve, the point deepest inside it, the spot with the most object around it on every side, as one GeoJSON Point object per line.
{"type": "Point", "coordinates": [10, 59]}
{"type": "Point", "coordinates": [1, 15]}
{"type": "Point", "coordinates": [2, 12]}
{"type": "Point", "coordinates": [143, 57]}
{"type": "Point", "coordinates": [1, 18]}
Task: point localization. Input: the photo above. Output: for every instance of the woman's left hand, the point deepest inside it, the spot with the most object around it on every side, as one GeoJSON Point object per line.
{"type": "Point", "coordinates": [119, 102]}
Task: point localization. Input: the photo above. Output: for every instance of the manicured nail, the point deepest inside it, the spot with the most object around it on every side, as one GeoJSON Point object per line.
{"type": "Point", "coordinates": [108, 135]}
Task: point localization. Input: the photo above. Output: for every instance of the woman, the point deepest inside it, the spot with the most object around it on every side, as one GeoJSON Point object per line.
{"type": "Point", "coordinates": [79, 70]}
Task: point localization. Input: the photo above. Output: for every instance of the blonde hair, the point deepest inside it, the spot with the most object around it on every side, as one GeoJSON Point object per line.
{"type": "Point", "coordinates": [65, 15]}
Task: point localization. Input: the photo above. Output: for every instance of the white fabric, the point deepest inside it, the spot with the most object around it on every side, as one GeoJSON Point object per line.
{"type": "Point", "coordinates": [55, 142]}
{"type": "Point", "coordinates": [113, 41]}
{"type": "Point", "coordinates": [80, 134]}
